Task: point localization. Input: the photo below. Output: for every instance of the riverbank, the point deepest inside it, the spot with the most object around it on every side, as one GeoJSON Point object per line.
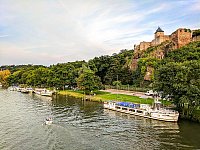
{"type": "Point", "coordinates": [125, 96]}
{"type": "Point", "coordinates": [105, 95]}
{"type": "Point", "coordinates": [84, 125]}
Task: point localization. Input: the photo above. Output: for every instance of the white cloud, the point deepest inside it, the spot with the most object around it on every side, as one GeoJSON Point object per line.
{"type": "Point", "coordinates": [2, 36]}
{"type": "Point", "coordinates": [60, 30]}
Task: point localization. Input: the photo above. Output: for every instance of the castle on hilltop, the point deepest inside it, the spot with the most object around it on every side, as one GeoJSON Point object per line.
{"type": "Point", "coordinates": [160, 45]}
{"type": "Point", "coordinates": [179, 38]}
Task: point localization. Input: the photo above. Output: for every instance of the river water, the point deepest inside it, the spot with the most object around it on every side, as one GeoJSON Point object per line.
{"type": "Point", "coordinates": [79, 125]}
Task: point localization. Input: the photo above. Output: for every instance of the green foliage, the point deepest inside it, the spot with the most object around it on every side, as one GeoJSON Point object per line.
{"type": "Point", "coordinates": [196, 33]}
{"type": "Point", "coordinates": [186, 53]}
{"type": "Point", "coordinates": [108, 67]}
{"type": "Point", "coordinates": [177, 76]}
{"type": "Point", "coordinates": [117, 83]}
{"type": "Point", "coordinates": [149, 50]}
{"type": "Point", "coordinates": [139, 73]}
{"type": "Point", "coordinates": [87, 80]}
{"type": "Point", "coordinates": [181, 80]}
{"type": "Point", "coordinates": [63, 75]}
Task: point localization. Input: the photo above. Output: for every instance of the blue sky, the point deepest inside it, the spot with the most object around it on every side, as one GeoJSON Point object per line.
{"type": "Point", "coordinates": [55, 31]}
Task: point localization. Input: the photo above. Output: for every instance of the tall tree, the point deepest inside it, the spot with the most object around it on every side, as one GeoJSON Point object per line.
{"type": "Point", "coordinates": [87, 80]}
{"type": "Point", "coordinates": [182, 82]}
{"type": "Point", "coordinates": [4, 76]}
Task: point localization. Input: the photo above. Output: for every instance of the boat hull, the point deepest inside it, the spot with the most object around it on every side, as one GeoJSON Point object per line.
{"type": "Point", "coordinates": [162, 115]}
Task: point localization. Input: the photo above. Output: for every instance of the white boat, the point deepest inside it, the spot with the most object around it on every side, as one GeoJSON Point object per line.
{"type": "Point", "coordinates": [43, 92]}
{"type": "Point", "coordinates": [24, 90]}
{"type": "Point", "coordinates": [144, 110]}
{"type": "Point", "coordinates": [46, 93]}
{"type": "Point", "coordinates": [149, 93]}
{"type": "Point", "coordinates": [48, 121]}
{"type": "Point", "coordinates": [29, 89]}
{"type": "Point", "coordinates": [12, 88]}
{"type": "Point", "coordinates": [18, 89]}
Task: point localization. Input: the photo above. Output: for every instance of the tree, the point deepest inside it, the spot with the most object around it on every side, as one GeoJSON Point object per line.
{"type": "Point", "coordinates": [117, 84]}
{"type": "Point", "coordinates": [87, 80]}
{"type": "Point", "coordinates": [182, 82]}
{"type": "Point", "coordinates": [4, 76]}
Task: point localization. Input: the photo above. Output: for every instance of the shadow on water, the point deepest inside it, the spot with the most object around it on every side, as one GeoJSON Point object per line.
{"type": "Point", "coordinates": [190, 133]}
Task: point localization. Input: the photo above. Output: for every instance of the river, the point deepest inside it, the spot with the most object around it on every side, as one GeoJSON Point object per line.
{"type": "Point", "coordinates": [79, 125]}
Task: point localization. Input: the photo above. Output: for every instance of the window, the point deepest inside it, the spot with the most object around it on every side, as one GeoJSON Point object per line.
{"type": "Point", "coordinates": [139, 111]}
{"type": "Point", "coordinates": [132, 110]}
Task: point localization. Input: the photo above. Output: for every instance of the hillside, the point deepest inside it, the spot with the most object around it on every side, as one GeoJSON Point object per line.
{"type": "Point", "coordinates": [151, 59]}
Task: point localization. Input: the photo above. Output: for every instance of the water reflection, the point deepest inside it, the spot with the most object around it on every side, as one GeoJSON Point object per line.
{"type": "Point", "coordinates": [144, 121]}
{"type": "Point", "coordinates": [84, 125]}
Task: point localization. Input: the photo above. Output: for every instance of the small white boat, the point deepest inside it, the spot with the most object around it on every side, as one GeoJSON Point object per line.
{"type": "Point", "coordinates": [18, 89]}
{"type": "Point", "coordinates": [46, 93]}
{"type": "Point", "coordinates": [12, 88]}
{"type": "Point", "coordinates": [29, 89]}
{"type": "Point", "coordinates": [38, 91]}
{"type": "Point", "coordinates": [24, 90]}
{"type": "Point", "coordinates": [43, 92]}
{"type": "Point", "coordinates": [48, 121]}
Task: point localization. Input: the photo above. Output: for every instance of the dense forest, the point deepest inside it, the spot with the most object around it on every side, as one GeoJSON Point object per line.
{"type": "Point", "coordinates": [103, 70]}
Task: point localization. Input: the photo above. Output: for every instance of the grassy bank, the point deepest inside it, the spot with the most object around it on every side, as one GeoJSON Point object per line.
{"type": "Point", "coordinates": [105, 96]}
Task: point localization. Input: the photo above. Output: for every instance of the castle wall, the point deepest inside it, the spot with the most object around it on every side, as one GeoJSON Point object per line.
{"type": "Point", "coordinates": [166, 38]}
{"type": "Point", "coordinates": [180, 37]}
{"type": "Point", "coordinates": [161, 39]}
{"type": "Point", "coordinates": [144, 45]}
{"type": "Point", "coordinates": [153, 42]}
{"type": "Point", "coordinates": [196, 38]}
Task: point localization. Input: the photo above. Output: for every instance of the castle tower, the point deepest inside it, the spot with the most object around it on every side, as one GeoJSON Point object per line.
{"type": "Point", "coordinates": [159, 36]}
{"type": "Point", "coordinates": [159, 32]}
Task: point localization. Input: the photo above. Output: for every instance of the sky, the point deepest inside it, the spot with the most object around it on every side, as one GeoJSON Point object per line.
{"type": "Point", "coordinates": [58, 31]}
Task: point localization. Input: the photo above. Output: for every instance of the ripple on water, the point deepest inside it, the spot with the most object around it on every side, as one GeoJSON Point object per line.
{"type": "Point", "coordinates": [81, 125]}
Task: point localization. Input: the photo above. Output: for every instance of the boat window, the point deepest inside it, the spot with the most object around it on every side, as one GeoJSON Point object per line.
{"type": "Point", "coordinates": [118, 107]}
{"type": "Point", "coordinates": [124, 108]}
{"type": "Point", "coordinates": [139, 111]}
{"type": "Point", "coordinates": [132, 110]}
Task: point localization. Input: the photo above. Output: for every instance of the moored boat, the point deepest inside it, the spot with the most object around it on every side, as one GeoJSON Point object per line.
{"type": "Point", "coordinates": [43, 92]}
{"type": "Point", "coordinates": [144, 110]}
{"type": "Point", "coordinates": [46, 93]}
{"type": "Point", "coordinates": [24, 90]}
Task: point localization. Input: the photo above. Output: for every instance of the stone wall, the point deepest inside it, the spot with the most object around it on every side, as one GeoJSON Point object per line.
{"type": "Point", "coordinates": [134, 64]}
{"type": "Point", "coordinates": [144, 45]}
{"type": "Point", "coordinates": [159, 39]}
{"type": "Point", "coordinates": [181, 37]}
{"type": "Point", "coordinates": [184, 37]}
{"type": "Point", "coordinates": [149, 72]}
{"type": "Point", "coordinates": [196, 38]}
